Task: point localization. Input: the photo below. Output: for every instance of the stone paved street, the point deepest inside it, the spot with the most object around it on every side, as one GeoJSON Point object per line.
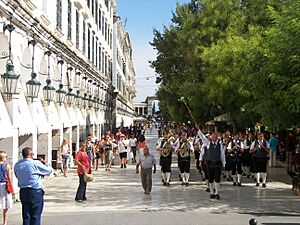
{"type": "Point", "coordinates": [116, 197]}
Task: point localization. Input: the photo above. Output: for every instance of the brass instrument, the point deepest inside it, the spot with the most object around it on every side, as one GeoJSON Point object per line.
{"type": "Point", "coordinates": [184, 150]}
{"type": "Point", "coordinates": [167, 148]}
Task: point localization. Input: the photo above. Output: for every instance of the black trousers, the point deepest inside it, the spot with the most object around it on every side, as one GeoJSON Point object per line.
{"type": "Point", "coordinates": [228, 163]}
{"type": "Point", "coordinates": [184, 165]}
{"type": "Point", "coordinates": [260, 165]}
{"type": "Point", "coordinates": [214, 171]}
{"type": "Point", "coordinates": [197, 155]}
{"type": "Point", "coordinates": [236, 166]}
{"type": "Point", "coordinates": [166, 164]}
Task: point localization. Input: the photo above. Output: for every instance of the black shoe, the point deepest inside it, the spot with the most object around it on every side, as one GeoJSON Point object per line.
{"type": "Point", "coordinates": [239, 184]}
{"type": "Point", "coordinates": [255, 180]}
{"type": "Point", "coordinates": [217, 196]}
{"type": "Point", "coordinates": [162, 180]}
{"type": "Point", "coordinates": [165, 183]}
{"type": "Point", "coordinates": [260, 180]}
{"type": "Point", "coordinates": [228, 179]}
{"type": "Point", "coordinates": [168, 184]}
{"type": "Point", "coordinates": [257, 184]}
{"type": "Point", "coordinates": [234, 183]}
{"type": "Point", "coordinates": [264, 185]}
{"type": "Point", "coordinates": [244, 174]}
{"type": "Point", "coordinates": [224, 176]}
{"type": "Point", "coordinates": [124, 165]}
{"type": "Point", "coordinates": [207, 190]}
{"type": "Point", "coordinates": [187, 184]}
{"type": "Point", "coordinates": [182, 183]}
{"type": "Point", "coordinates": [121, 166]}
{"type": "Point", "coordinates": [248, 176]}
{"type": "Point", "coordinates": [212, 196]}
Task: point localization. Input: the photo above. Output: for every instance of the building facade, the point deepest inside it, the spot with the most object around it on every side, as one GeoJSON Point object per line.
{"type": "Point", "coordinates": [57, 80]}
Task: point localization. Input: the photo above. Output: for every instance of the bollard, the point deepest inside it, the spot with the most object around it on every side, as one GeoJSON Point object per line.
{"type": "Point", "coordinates": [252, 221]}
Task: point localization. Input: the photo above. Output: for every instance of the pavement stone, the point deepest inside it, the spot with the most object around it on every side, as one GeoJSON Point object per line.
{"type": "Point", "coordinates": [116, 197]}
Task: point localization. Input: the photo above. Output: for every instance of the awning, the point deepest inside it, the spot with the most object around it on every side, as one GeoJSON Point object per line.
{"type": "Point", "coordinates": [80, 117]}
{"type": "Point", "coordinates": [5, 122]}
{"type": "Point", "coordinates": [53, 117]}
{"type": "Point", "coordinates": [39, 116]}
{"type": "Point", "coordinates": [223, 118]}
{"type": "Point", "coordinates": [63, 116]}
{"type": "Point", "coordinates": [72, 116]}
{"type": "Point", "coordinates": [24, 118]}
{"type": "Point", "coordinates": [210, 123]}
{"type": "Point", "coordinates": [84, 115]}
{"type": "Point", "coordinates": [93, 117]}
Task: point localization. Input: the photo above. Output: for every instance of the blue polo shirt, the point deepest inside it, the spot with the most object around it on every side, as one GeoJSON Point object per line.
{"type": "Point", "coordinates": [29, 173]}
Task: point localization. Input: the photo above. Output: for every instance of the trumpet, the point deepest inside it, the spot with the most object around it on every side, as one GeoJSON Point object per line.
{"type": "Point", "coordinates": [167, 148]}
{"type": "Point", "coordinates": [184, 150]}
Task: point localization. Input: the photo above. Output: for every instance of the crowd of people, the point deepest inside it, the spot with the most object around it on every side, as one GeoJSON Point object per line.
{"type": "Point", "coordinates": [233, 156]}
{"type": "Point", "coordinates": [238, 155]}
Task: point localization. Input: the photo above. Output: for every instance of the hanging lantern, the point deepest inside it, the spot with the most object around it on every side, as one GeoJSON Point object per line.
{"type": "Point", "coordinates": [49, 92]}
{"type": "Point", "coordinates": [9, 81]}
{"type": "Point", "coordinates": [70, 97]}
{"type": "Point", "coordinates": [33, 86]}
{"type": "Point", "coordinates": [60, 94]}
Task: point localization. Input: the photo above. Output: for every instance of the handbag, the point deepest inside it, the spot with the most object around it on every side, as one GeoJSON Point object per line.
{"type": "Point", "coordinates": [9, 187]}
{"type": "Point", "coordinates": [88, 177]}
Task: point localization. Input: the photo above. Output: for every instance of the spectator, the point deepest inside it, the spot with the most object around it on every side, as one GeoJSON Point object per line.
{"type": "Point", "coordinates": [290, 149]}
{"type": "Point", "coordinates": [6, 201]}
{"type": "Point", "coordinates": [83, 166]}
{"type": "Point", "coordinates": [65, 154]}
{"type": "Point", "coordinates": [29, 173]}
{"type": "Point", "coordinates": [274, 141]}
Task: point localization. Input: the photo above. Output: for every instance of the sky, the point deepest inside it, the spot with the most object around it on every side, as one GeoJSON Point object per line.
{"type": "Point", "coordinates": [140, 17]}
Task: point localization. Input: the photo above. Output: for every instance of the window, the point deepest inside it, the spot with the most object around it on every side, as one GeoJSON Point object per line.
{"type": "Point", "coordinates": [88, 3]}
{"type": "Point", "coordinates": [69, 20]}
{"type": "Point", "coordinates": [111, 72]}
{"type": "Point", "coordinates": [83, 37]}
{"type": "Point", "coordinates": [110, 35]}
{"type": "Point", "coordinates": [77, 29]}
{"type": "Point", "coordinates": [102, 23]}
{"type": "Point", "coordinates": [89, 44]}
{"type": "Point", "coordinates": [96, 58]}
{"type": "Point", "coordinates": [102, 67]}
{"type": "Point", "coordinates": [99, 59]}
{"type": "Point", "coordinates": [105, 66]}
{"type": "Point", "coordinates": [105, 28]}
{"type": "Point", "coordinates": [99, 19]}
{"type": "Point", "coordinates": [93, 48]}
{"type": "Point", "coordinates": [93, 7]}
{"type": "Point", "coordinates": [96, 12]}
{"type": "Point", "coordinates": [58, 14]}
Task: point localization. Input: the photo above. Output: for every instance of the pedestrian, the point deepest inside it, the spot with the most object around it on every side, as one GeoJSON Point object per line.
{"type": "Point", "coordinates": [6, 201]}
{"type": "Point", "coordinates": [142, 143]}
{"type": "Point", "coordinates": [65, 154]}
{"type": "Point", "coordinates": [29, 173]}
{"type": "Point", "coordinates": [274, 141]}
{"type": "Point", "coordinates": [122, 148]}
{"type": "Point", "coordinates": [260, 149]}
{"type": "Point", "coordinates": [133, 147]}
{"type": "Point", "coordinates": [290, 149]}
{"type": "Point", "coordinates": [215, 161]}
{"type": "Point", "coordinates": [83, 166]}
{"type": "Point", "coordinates": [146, 161]}
{"type": "Point", "coordinates": [90, 150]}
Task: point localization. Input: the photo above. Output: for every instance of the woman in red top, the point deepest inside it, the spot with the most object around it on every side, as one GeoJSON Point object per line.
{"type": "Point", "coordinates": [83, 166]}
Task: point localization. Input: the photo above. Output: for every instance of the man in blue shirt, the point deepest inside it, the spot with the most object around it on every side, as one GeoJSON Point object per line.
{"type": "Point", "coordinates": [274, 141]}
{"type": "Point", "coordinates": [29, 173]}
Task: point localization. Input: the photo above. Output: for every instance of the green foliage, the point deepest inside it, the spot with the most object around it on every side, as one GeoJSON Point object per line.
{"type": "Point", "coordinates": [240, 57]}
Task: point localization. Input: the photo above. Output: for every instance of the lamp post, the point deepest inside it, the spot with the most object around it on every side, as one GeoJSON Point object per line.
{"type": "Point", "coordinates": [49, 90]}
{"type": "Point", "coordinates": [60, 93]}
{"type": "Point", "coordinates": [9, 79]}
{"type": "Point", "coordinates": [33, 85]}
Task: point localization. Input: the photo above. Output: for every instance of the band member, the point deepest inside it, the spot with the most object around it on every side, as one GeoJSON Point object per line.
{"type": "Point", "coordinates": [165, 146]}
{"type": "Point", "coordinates": [235, 149]}
{"type": "Point", "coordinates": [226, 139]}
{"type": "Point", "coordinates": [246, 157]}
{"type": "Point", "coordinates": [184, 149]}
{"type": "Point", "coordinates": [261, 149]}
{"type": "Point", "coordinates": [215, 160]}
{"type": "Point", "coordinates": [197, 147]}
{"type": "Point", "coordinates": [203, 156]}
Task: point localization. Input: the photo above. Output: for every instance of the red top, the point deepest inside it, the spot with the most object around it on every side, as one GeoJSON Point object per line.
{"type": "Point", "coordinates": [83, 158]}
{"type": "Point", "coordinates": [143, 144]}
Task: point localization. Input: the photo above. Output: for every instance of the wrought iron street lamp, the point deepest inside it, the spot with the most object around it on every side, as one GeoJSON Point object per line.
{"type": "Point", "coordinates": [33, 85]}
{"type": "Point", "coordinates": [78, 99]}
{"type": "Point", "coordinates": [9, 79]}
{"type": "Point", "coordinates": [70, 97]}
{"type": "Point", "coordinates": [49, 90]}
{"type": "Point", "coordinates": [61, 93]}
